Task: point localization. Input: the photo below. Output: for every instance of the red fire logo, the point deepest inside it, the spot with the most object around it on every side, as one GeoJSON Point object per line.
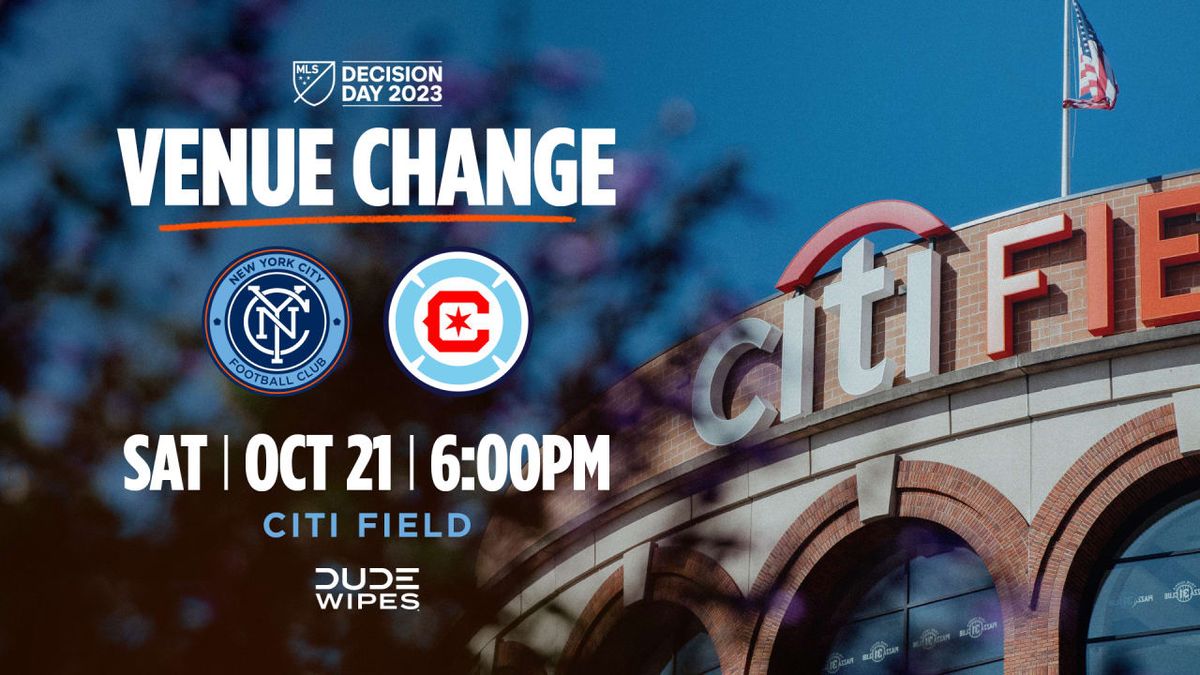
{"type": "Point", "coordinates": [458, 321]}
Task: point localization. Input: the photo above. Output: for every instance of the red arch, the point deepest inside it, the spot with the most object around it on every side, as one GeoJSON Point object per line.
{"type": "Point", "coordinates": [1089, 509]}
{"type": "Point", "coordinates": [854, 224]}
{"type": "Point", "coordinates": [949, 496]}
{"type": "Point", "coordinates": [682, 577]}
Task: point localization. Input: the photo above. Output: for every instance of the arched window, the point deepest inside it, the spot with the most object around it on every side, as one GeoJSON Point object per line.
{"type": "Point", "coordinates": [656, 638]}
{"type": "Point", "coordinates": [909, 597]}
{"type": "Point", "coordinates": [1146, 617]}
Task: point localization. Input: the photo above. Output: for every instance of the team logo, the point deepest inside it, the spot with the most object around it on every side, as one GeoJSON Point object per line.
{"type": "Point", "coordinates": [313, 81]}
{"type": "Point", "coordinates": [879, 651]}
{"type": "Point", "coordinates": [276, 321]}
{"type": "Point", "coordinates": [836, 662]}
{"type": "Point", "coordinates": [1184, 592]}
{"type": "Point", "coordinates": [458, 321]}
{"type": "Point", "coordinates": [977, 626]}
{"type": "Point", "coordinates": [930, 638]}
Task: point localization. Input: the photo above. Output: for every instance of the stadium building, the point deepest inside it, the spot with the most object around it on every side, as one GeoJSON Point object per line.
{"type": "Point", "coordinates": [975, 453]}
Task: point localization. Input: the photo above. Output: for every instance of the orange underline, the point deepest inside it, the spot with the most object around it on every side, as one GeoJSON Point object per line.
{"type": "Point", "coordinates": [349, 220]}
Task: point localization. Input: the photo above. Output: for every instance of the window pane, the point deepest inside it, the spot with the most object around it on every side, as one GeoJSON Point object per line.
{"type": "Point", "coordinates": [1148, 595]}
{"type": "Point", "coordinates": [1160, 654]}
{"type": "Point", "coordinates": [994, 668]}
{"type": "Point", "coordinates": [955, 633]}
{"type": "Point", "coordinates": [1175, 532]}
{"type": "Point", "coordinates": [951, 573]}
{"type": "Point", "coordinates": [696, 656]}
{"type": "Point", "coordinates": [656, 654]}
{"type": "Point", "coordinates": [887, 595]}
{"type": "Point", "coordinates": [871, 646]}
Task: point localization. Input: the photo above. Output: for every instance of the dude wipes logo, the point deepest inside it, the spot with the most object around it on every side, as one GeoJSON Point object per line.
{"type": "Point", "coordinates": [1184, 592]}
{"type": "Point", "coordinates": [382, 588]}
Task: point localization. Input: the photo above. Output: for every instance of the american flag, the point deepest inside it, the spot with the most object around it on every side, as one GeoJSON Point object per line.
{"type": "Point", "coordinates": [1097, 84]}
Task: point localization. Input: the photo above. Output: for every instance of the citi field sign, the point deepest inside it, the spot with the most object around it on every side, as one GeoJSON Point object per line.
{"type": "Point", "coordinates": [852, 297]}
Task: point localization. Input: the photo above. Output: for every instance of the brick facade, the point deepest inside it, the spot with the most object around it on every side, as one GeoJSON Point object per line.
{"type": "Point", "coordinates": [655, 400]}
{"type": "Point", "coordinates": [1041, 555]}
{"type": "Point", "coordinates": [678, 576]}
{"type": "Point", "coordinates": [928, 491]}
{"type": "Point", "coordinates": [1041, 570]}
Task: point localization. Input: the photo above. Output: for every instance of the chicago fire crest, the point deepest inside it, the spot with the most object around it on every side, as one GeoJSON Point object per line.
{"type": "Point", "coordinates": [458, 321]}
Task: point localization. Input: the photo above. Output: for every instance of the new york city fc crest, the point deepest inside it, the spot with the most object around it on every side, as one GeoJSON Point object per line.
{"type": "Point", "coordinates": [458, 321]}
{"type": "Point", "coordinates": [276, 321]}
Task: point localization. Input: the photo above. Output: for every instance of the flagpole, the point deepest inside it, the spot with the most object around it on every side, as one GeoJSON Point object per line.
{"type": "Point", "coordinates": [1066, 120]}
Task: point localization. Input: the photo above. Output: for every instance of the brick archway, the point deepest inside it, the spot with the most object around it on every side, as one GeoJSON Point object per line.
{"type": "Point", "coordinates": [939, 493]}
{"type": "Point", "coordinates": [1091, 509]}
{"type": "Point", "coordinates": [1044, 572]}
{"type": "Point", "coordinates": [678, 576]}
{"type": "Point", "coordinates": [515, 658]}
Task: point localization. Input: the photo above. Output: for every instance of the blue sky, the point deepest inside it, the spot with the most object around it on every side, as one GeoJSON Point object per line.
{"type": "Point", "coordinates": [952, 105]}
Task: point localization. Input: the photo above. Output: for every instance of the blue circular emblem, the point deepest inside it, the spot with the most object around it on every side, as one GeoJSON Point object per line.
{"type": "Point", "coordinates": [276, 321]}
{"type": "Point", "coordinates": [458, 321]}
